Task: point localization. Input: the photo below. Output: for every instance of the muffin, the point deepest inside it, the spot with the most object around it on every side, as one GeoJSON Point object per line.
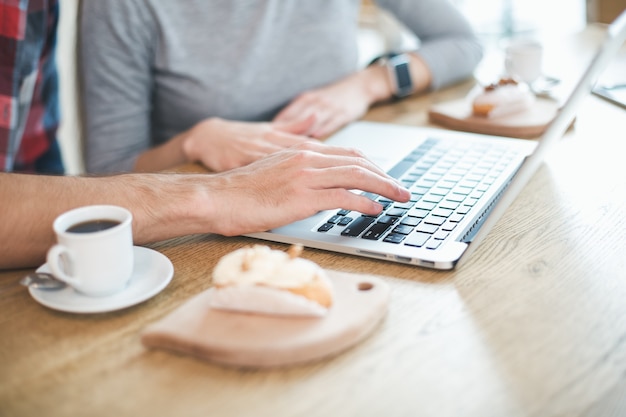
{"type": "Point", "coordinates": [505, 97]}
{"type": "Point", "coordinates": [260, 280]}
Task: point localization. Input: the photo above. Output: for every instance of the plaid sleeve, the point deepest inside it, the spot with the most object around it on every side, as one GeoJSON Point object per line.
{"type": "Point", "coordinates": [29, 93]}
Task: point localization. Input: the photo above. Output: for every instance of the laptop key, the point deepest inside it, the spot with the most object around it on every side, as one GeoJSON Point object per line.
{"type": "Point", "coordinates": [456, 217]}
{"type": "Point", "coordinates": [417, 239]}
{"type": "Point", "coordinates": [325, 227]}
{"type": "Point", "coordinates": [335, 219]}
{"type": "Point", "coordinates": [426, 228]}
{"type": "Point", "coordinates": [419, 190]}
{"type": "Point", "coordinates": [396, 212]}
{"type": "Point", "coordinates": [358, 226]}
{"type": "Point", "coordinates": [345, 221]}
{"type": "Point", "coordinates": [410, 221]}
{"type": "Point", "coordinates": [432, 198]}
{"type": "Point", "coordinates": [418, 213]}
{"type": "Point", "coordinates": [436, 220]}
{"type": "Point", "coordinates": [394, 238]}
{"type": "Point", "coordinates": [404, 206]}
{"type": "Point", "coordinates": [447, 204]}
{"type": "Point", "coordinates": [441, 212]}
{"type": "Point", "coordinates": [433, 244]}
{"type": "Point", "coordinates": [448, 226]}
{"type": "Point", "coordinates": [402, 229]}
{"type": "Point", "coordinates": [387, 219]}
{"type": "Point", "coordinates": [441, 235]}
{"type": "Point", "coordinates": [457, 198]}
{"type": "Point", "coordinates": [424, 205]}
{"type": "Point", "coordinates": [376, 231]}
{"type": "Point", "coordinates": [415, 197]}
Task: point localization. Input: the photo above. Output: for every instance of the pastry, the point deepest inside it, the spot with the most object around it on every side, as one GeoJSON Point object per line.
{"type": "Point", "coordinates": [260, 280]}
{"type": "Point", "coordinates": [505, 97]}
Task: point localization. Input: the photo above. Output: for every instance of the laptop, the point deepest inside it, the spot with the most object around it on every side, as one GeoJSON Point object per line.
{"type": "Point", "coordinates": [461, 184]}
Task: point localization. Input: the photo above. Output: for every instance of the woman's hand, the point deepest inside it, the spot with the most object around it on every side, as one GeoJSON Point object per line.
{"type": "Point", "coordinates": [338, 104]}
{"type": "Point", "coordinates": [222, 145]}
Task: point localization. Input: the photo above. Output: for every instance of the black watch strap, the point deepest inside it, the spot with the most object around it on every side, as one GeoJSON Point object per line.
{"type": "Point", "coordinates": [399, 72]}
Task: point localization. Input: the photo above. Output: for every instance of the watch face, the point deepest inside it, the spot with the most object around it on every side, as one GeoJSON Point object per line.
{"type": "Point", "coordinates": [400, 74]}
{"type": "Point", "coordinates": [403, 76]}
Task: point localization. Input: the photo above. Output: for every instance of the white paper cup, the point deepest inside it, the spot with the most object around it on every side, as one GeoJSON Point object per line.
{"type": "Point", "coordinates": [96, 263]}
{"type": "Point", "coordinates": [524, 60]}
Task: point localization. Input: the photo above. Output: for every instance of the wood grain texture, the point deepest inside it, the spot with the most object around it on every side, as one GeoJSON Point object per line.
{"type": "Point", "coordinates": [533, 324]}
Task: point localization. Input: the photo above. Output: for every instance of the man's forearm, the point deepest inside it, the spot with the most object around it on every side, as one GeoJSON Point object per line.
{"type": "Point", "coordinates": [30, 203]}
{"type": "Point", "coordinates": [282, 188]}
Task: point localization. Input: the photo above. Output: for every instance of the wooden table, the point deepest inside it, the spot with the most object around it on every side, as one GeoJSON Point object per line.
{"type": "Point", "coordinates": [534, 324]}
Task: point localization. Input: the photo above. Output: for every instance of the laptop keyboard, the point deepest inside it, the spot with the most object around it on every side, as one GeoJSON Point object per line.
{"type": "Point", "coordinates": [446, 181]}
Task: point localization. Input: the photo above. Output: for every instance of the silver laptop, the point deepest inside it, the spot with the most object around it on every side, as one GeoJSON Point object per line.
{"type": "Point", "coordinates": [460, 183]}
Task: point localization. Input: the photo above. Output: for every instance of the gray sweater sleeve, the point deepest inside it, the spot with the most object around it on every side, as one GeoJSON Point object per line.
{"type": "Point", "coordinates": [115, 48]}
{"type": "Point", "coordinates": [448, 45]}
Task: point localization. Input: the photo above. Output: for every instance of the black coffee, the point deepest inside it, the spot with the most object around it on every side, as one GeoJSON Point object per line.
{"type": "Point", "coordinates": [93, 226]}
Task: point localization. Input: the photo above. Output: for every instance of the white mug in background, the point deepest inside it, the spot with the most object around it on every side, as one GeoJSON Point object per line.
{"type": "Point", "coordinates": [524, 60]}
{"type": "Point", "coordinates": [94, 253]}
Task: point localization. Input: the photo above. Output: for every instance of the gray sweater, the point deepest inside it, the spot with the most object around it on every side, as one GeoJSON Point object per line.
{"type": "Point", "coordinates": [154, 68]}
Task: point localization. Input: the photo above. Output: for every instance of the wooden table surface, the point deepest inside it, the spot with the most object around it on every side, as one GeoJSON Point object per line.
{"type": "Point", "coordinates": [533, 324]}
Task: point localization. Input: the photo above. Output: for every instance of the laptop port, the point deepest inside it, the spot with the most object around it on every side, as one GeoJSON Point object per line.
{"type": "Point", "coordinates": [368, 253]}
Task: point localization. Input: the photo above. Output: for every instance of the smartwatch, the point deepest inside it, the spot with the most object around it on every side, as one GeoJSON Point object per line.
{"type": "Point", "coordinates": [398, 71]}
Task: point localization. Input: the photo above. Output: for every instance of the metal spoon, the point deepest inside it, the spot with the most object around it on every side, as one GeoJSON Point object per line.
{"type": "Point", "coordinates": [42, 281]}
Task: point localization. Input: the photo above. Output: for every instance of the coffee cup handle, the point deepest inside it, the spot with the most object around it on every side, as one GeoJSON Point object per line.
{"type": "Point", "coordinates": [53, 260]}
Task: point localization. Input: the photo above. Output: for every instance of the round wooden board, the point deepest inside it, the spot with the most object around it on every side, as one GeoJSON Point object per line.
{"type": "Point", "coordinates": [457, 115]}
{"type": "Point", "coordinates": [262, 341]}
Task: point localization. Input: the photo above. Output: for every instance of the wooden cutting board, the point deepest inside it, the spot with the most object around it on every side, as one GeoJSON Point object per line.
{"type": "Point", "coordinates": [457, 115]}
{"type": "Point", "coordinates": [262, 341]}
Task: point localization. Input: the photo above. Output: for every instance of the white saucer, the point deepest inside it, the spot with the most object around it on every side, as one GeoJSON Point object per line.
{"type": "Point", "coordinates": [152, 272]}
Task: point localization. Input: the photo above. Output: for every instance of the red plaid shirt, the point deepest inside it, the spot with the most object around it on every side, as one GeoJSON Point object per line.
{"type": "Point", "coordinates": [29, 109]}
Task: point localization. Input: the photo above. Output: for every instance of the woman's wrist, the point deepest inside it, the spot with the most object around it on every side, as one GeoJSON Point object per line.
{"type": "Point", "coordinates": [379, 87]}
{"type": "Point", "coordinates": [376, 84]}
{"type": "Point", "coordinates": [193, 142]}
{"type": "Point", "coordinates": [186, 144]}
{"type": "Point", "coordinates": [164, 156]}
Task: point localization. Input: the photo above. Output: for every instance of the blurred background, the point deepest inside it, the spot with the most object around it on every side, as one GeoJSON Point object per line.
{"type": "Point", "coordinates": [496, 21]}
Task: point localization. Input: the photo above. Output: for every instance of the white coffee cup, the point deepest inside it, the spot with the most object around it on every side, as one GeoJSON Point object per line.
{"type": "Point", "coordinates": [524, 60]}
{"type": "Point", "coordinates": [94, 262]}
